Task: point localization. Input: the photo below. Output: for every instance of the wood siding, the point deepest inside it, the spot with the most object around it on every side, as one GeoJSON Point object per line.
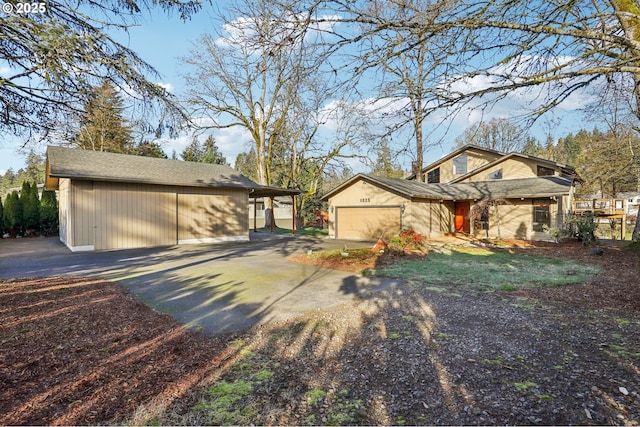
{"type": "Point", "coordinates": [206, 214]}
{"type": "Point", "coordinates": [430, 218]}
{"type": "Point", "coordinates": [108, 215]}
{"type": "Point", "coordinates": [475, 159]}
{"type": "Point", "coordinates": [513, 168]}
{"type": "Point", "coordinates": [134, 216]}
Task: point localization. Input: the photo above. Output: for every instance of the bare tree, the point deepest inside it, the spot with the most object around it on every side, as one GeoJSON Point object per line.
{"type": "Point", "coordinates": [498, 134]}
{"type": "Point", "coordinates": [264, 73]}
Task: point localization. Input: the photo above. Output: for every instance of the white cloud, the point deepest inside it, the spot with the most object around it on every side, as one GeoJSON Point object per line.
{"type": "Point", "coordinates": [167, 86]}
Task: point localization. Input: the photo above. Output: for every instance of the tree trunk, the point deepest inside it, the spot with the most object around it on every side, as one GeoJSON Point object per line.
{"type": "Point", "coordinates": [635, 237]}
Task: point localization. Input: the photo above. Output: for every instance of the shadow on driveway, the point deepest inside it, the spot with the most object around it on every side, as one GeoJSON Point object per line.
{"type": "Point", "coordinates": [216, 288]}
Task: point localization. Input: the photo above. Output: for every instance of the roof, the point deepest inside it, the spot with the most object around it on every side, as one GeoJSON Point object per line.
{"type": "Point", "coordinates": [114, 167]}
{"type": "Point", "coordinates": [547, 186]}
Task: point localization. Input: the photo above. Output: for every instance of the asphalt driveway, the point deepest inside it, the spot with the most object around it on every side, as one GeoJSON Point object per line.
{"type": "Point", "coordinates": [217, 288]}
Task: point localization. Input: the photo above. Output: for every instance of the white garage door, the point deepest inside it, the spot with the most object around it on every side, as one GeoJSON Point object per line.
{"type": "Point", "coordinates": [367, 223]}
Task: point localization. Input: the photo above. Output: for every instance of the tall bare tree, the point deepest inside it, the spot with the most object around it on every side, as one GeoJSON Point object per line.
{"type": "Point", "coordinates": [263, 72]}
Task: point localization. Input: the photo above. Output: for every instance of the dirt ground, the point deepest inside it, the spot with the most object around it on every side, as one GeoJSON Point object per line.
{"type": "Point", "coordinates": [77, 351]}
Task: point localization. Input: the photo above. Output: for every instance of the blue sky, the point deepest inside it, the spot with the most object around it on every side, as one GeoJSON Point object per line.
{"type": "Point", "coordinates": [161, 40]}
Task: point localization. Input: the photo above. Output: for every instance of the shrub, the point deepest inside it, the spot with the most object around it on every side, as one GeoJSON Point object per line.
{"type": "Point", "coordinates": [582, 227]}
{"type": "Point", "coordinates": [407, 239]}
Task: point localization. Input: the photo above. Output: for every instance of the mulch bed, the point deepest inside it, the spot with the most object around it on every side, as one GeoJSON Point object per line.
{"type": "Point", "coordinates": [77, 350]}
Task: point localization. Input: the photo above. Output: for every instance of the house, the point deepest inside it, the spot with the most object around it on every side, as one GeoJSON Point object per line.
{"type": "Point", "coordinates": [473, 190]}
{"type": "Point", "coordinates": [117, 201]}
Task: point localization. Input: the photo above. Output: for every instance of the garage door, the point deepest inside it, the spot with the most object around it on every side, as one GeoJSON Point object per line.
{"type": "Point", "coordinates": [368, 223]}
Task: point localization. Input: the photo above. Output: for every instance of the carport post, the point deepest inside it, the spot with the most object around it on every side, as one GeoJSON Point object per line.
{"type": "Point", "coordinates": [293, 214]}
{"type": "Point", "coordinates": [273, 215]}
{"type": "Point", "coordinates": [255, 214]}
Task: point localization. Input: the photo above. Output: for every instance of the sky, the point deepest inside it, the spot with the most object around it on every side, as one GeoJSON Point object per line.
{"type": "Point", "coordinates": [161, 41]}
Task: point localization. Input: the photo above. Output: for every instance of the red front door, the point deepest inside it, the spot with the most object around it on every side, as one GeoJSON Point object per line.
{"type": "Point", "coordinates": [462, 217]}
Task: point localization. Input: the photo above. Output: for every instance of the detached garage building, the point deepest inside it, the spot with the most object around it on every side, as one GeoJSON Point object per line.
{"type": "Point", "coordinates": [117, 201]}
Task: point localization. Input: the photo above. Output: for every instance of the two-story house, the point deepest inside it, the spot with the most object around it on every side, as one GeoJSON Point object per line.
{"type": "Point", "coordinates": [472, 190]}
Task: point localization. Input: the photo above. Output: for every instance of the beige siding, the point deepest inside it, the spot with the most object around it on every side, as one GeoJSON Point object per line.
{"type": "Point", "coordinates": [430, 218]}
{"type": "Point", "coordinates": [64, 211]}
{"type": "Point", "coordinates": [475, 159]}
{"type": "Point", "coordinates": [513, 168]}
{"type": "Point", "coordinates": [134, 215]}
{"type": "Point", "coordinates": [361, 194]}
{"type": "Point", "coordinates": [514, 220]}
{"type": "Point", "coordinates": [82, 213]}
{"type": "Point", "coordinates": [208, 215]}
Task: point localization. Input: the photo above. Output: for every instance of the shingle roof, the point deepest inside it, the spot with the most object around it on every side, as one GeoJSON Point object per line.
{"type": "Point", "coordinates": [101, 166]}
{"type": "Point", "coordinates": [547, 186]}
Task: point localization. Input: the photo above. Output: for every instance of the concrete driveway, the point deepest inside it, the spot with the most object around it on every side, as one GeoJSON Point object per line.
{"type": "Point", "coordinates": [218, 288]}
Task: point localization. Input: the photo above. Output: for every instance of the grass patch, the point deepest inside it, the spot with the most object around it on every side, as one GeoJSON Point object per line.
{"type": "Point", "coordinates": [490, 270]}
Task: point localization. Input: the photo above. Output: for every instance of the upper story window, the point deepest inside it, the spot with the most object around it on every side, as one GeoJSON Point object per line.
{"type": "Point", "coordinates": [460, 164]}
{"type": "Point", "coordinates": [542, 171]}
{"type": "Point", "coordinates": [433, 176]}
{"type": "Point", "coordinates": [495, 174]}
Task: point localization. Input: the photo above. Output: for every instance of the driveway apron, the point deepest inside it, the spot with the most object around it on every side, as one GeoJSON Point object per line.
{"type": "Point", "coordinates": [216, 288]}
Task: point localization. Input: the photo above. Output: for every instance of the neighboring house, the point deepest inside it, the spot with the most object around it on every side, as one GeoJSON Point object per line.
{"type": "Point", "coordinates": [472, 190]}
{"type": "Point", "coordinates": [116, 201]}
{"type": "Point", "coordinates": [282, 212]}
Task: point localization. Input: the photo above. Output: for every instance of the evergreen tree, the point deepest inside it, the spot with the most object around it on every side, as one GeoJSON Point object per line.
{"type": "Point", "coordinates": [246, 164]}
{"type": "Point", "coordinates": [211, 153]}
{"type": "Point", "coordinates": [13, 214]}
{"type": "Point", "coordinates": [1, 218]}
{"type": "Point", "coordinates": [385, 166]}
{"type": "Point", "coordinates": [149, 149]}
{"type": "Point", "coordinates": [30, 208]}
{"type": "Point", "coordinates": [103, 126]}
{"type": "Point", "coordinates": [192, 152]}
{"type": "Point", "coordinates": [49, 213]}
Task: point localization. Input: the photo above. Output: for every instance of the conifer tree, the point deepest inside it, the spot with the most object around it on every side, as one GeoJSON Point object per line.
{"type": "Point", "coordinates": [1, 218]}
{"type": "Point", "coordinates": [30, 208]}
{"type": "Point", "coordinates": [13, 214]}
{"type": "Point", "coordinates": [104, 127]}
{"type": "Point", "coordinates": [49, 213]}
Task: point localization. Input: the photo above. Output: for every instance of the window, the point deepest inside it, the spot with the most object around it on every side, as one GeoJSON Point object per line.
{"type": "Point", "coordinates": [495, 174]}
{"type": "Point", "coordinates": [460, 164]}
{"type": "Point", "coordinates": [542, 171]}
{"type": "Point", "coordinates": [541, 216]}
{"type": "Point", "coordinates": [433, 176]}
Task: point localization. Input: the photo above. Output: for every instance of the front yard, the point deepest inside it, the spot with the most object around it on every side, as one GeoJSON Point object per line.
{"type": "Point", "coordinates": [547, 334]}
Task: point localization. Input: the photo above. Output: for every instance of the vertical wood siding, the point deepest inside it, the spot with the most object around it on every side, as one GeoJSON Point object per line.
{"type": "Point", "coordinates": [82, 213]}
{"type": "Point", "coordinates": [208, 214]}
{"type": "Point", "coordinates": [134, 215]}
{"type": "Point", "coordinates": [64, 208]}
{"type": "Point", "coordinates": [108, 215]}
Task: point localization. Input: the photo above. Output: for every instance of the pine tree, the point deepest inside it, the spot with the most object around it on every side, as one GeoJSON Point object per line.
{"type": "Point", "coordinates": [1, 218]}
{"type": "Point", "coordinates": [104, 128]}
{"type": "Point", "coordinates": [192, 152]}
{"type": "Point", "coordinates": [211, 153]}
{"type": "Point", "coordinates": [13, 214]}
{"type": "Point", "coordinates": [49, 213]}
{"type": "Point", "coordinates": [30, 208]}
